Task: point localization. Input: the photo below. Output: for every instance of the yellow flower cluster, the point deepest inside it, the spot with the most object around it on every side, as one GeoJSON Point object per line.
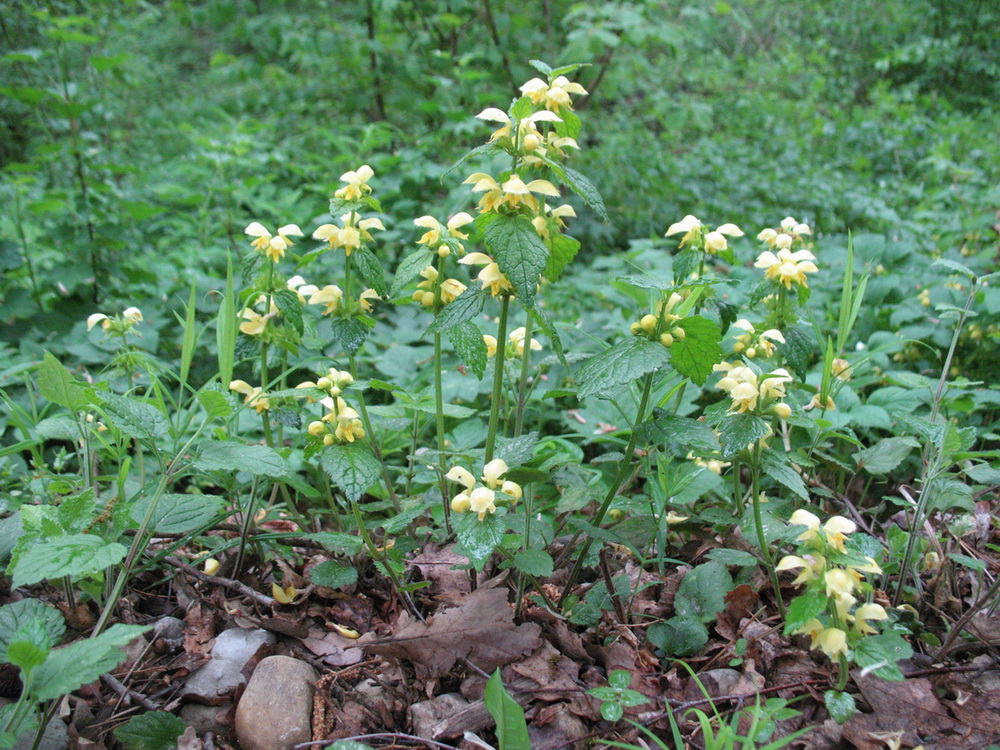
{"type": "Point", "coordinates": [752, 344]}
{"type": "Point", "coordinates": [253, 396]}
{"type": "Point", "coordinates": [483, 500]}
{"type": "Point", "coordinates": [550, 218]}
{"type": "Point", "coordinates": [254, 323]}
{"type": "Point", "coordinates": [273, 246]}
{"type": "Point", "coordinates": [789, 232]}
{"type": "Point", "coordinates": [424, 295]}
{"type": "Point", "coordinates": [118, 324]}
{"type": "Point", "coordinates": [490, 275]}
{"type": "Point", "coordinates": [341, 423]}
{"type": "Point", "coordinates": [786, 267]}
{"type": "Point", "coordinates": [434, 237]}
{"type": "Point", "coordinates": [696, 235]}
{"type": "Point", "coordinates": [332, 296]}
{"type": "Point", "coordinates": [333, 382]}
{"type": "Point", "coordinates": [350, 234]}
{"type": "Point", "coordinates": [661, 326]}
{"type": "Point", "coordinates": [513, 193]}
{"type": "Point", "coordinates": [554, 96]}
{"type": "Point", "coordinates": [752, 393]}
{"type": "Point", "coordinates": [357, 183]}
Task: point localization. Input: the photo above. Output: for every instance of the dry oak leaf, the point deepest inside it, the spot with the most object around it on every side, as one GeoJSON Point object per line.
{"type": "Point", "coordinates": [480, 629]}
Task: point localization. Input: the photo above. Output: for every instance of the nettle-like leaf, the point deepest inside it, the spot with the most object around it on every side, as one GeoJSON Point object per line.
{"type": "Point", "coordinates": [56, 384]}
{"type": "Point", "coordinates": [371, 271]}
{"type": "Point", "coordinates": [545, 325]}
{"type": "Point", "coordinates": [679, 636]}
{"type": "Point", "coordinates": [562, 250]}
{"type": "Point", "coordinates": [138, 419]}
{"type": "Point", "coordinates": [620, 365]}
{"type": "Point", "coordinates": [259, 460]}
{"type": "Point", "coordinates": [333, 574]}
{"type": "Point", "coordinates": [352, 467]}
{"type": "Point", "coordinates": [702, 593]}
{"type": "Point", "coordinates": [217, 403]}
{"type": "Point", "coordinates": [779, 467]}
{"type": "Point", "coordinates": [463, 308]}
{"type": "Point", "coordinates": [840, 705]}
{"type": "Point", "coordinates": [802, 609]}
{"type": "Point", "coordinates": [519, 252]}
{"type": "Point", "coordinates": [179, 514]}
{"type": "Point", "coordinates": [74, 665]}
{"type": "Point", "coordinates": [155, 730]}
{"type": "Point", "coordinates": [288, 303]}
{"type": "Point", "coordinates": [699, 350]}
{"type": "Point", "coordinates": [350, 333]}
{"type": "Point", "coordinates": [534, 562]}
{"type": "Point", "coordinates": [408, 270]}
{"type": "Point", "coordinates": [15, 616]}
{"type": "Point", "coordinates": [886, 454]}
{"type": "Point", "coordinates": [470, 347]}
{"type": "Point", "coordinates": [477, 539]}
{"type": "Point", "coordinates": [76, 554]}
{"type": "Point", "coordinates": [580, 185]}
{"type": "Point", "coordinates": [798, 349]}
{"type": "Point", "coordinates": [680, 435]}
{"type": "Point", "coordinates": [738, 431]}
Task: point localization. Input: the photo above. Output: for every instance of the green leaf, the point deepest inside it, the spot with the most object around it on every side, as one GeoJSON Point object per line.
{"type": "Point", "coordinates": [26, 655]}
{"type": "Point", "coordinates": [333, 574]}
{"type": "Point", "coordinates": [802, 609]}
{"type": "Point", "coordinates": [570, 126]}
{"type": "Point", "coordinates": [885, 455]}
{"type": "Point", "coordinates": [463, 308]}
{"type": "Point", "coordinates": [512, 729]}
{"type": "Point", "coordinates": [76, 512]}
{"type": "Point", "coordinates": [177, 513]}
{"type": "Point", "coordinates": [352, 467]}
{"type": "Point", "coordinates": [521, 107]}
{"type": "Point", "coordinates": [955, 267]}
{"type": "Point", "coordinates": [516, 247]}
{"type": "Point", "coordinates": [840, 705]}
{"type": "Point", "coordinates": [190, 337]}
{"type": "Point", "coordinates": [534, 562]}
{"type": "Point", "coordinates": [155, 730]}
{"type": "Point", "coordinates": [612, 710]}
{"type": "Point", "coordinates": [516, 451]}
{"type": "Point", "coordinates": [542, 320]}
{"type": "Point", "coordinates": [620, 365]}
{"type": "Point", "coordinates": [486, 148]}
{"type": "Point", "coordinates": [74, 665]}
{"type": "Point", "coordinates": [350, 333]}
{"type": "Point", "coordinates": [14, 616]}
{"type": "Point", "coordinates": [737, 431]}
{"type": "Point", "coordinates": [540, 67]}
{"type": "Point", "coordinates": [880, 653]}
{"type": "Point", "coordinates": [57, 385]}
{"type": "Point", "coordinates": [702, 593]}
{"type": "Point", "coordinates": [288, 303]}
{"type": "Point", "coordinates": [76, 554]}
{"type": "Point", "coordinates": [371, 271]}
{"type": "Point", "coordinates": [728, 556]}
{"type": "Point", "coordinates": [259, 460]}
{"type": "Point", "coordinates": [137, 419]}
{"type": "Point", "coordinates": [798, 349]}
{"type": "Point", "coordinates": [478, 539]}
{"type": "Point", "coordinates": [217, 403]}
{"type": "Point", "coordinates": [468, 343]}
{"type": "Point", "coordinates": [620, 678]}
{"type": "Point", "coordinates": [779, 468]}
{"type": "Point", "coordinates": [408, 270]}
{"type": "Point", "coordinates": [337, 542]}
{"type": "Point", "coordinates": [678, 636]}
{"type": "Point", "coordinates": [699, 350]}
{"type": "Point", "coordinates": [586, 190]}
{"type": "Point", "coordinates": [679, 435]}
{"type": "Point", "coordinates": [562, 250]}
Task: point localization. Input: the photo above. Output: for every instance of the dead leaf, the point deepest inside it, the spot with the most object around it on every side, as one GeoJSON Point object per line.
{"type": "Point", "coordinates": [480, 629]}
{"type": "Point", "coordinates": [333, 648]}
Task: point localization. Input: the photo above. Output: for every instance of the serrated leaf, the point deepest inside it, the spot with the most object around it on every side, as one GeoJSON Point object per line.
{"type": "Point", "coordinates": [468, 343]}
{"type": "Point", "coordinates": [350, 333]}
{"type": "Point", "coordinates": [14, 616]}
{"type": "Point", "coordinates": [562, 250]}
{"type": "Point", "coordinates": [777, 466]}
{"type": "Point", "coordinates": [137, 419]}
{"type": "Point", "coordinates": [337, 542]}
{"type": "Point", "coordinates": [521, 107]}
{"type": "Point", "coordinates": [798, 349]}
{"type": "Point", "coordinates": [542, 320]}
{"type": "Point", "coordinates": [885, 455]}
{"type": "Point", "coordinates": [216, 403]}
{"type": "Point", "coordinates": [679, 435]}
{"type": "Point", "coordinates": [737, 431]}
{"type": "Point", "coordinates": [728, 556]}
{"type": "Point", "coordinates": [802, 609]}
{"type": "Point", "coordinates": [259, 460]}
{"type": "Point", "coordinates": [371, 271]}
{"type": "Point", "coordinates": [76, 554]}
{"type": "Point", "coordinates": [840, 705]}
{"type": "Point", "coordinates": [57, 385]}
{"type": "Point", "coordinates": [534, 562]}
{"type": "Point", "coordinates": [352, 467]}
{"type": "Point", "coordinates": [516, 451]}
{"type": "Point", "coordinates": [955, 267]}
{"type": "Point", "coordinates": [333, 574]}
{"type": "Point", "coordinates": [570, 126]}
{"type": "Point", "coordinates": [288, 303]}
{"type": "Point", "coordinates": [619, 365]}
{"type": "Point", "coordinates": [540, 67]}
{"type": "Point", "coordinates": [699, 350]}
{"type": "Point", "coordinates": [74, 665]}
{"type": "Point", "coordinates": [702, 593]}
{"type": "Point", "coordinates": [583, 187]}
{"type": "Point", "coordinates": [178, 513]}
{"type": "Point", "coordinates": [881, 653]}
{"type": "Point", "coordinates": [519, 252]}
{"type": "Point", "coordinates": [463, 308]}
{"type": "Point", "coordinates": [478, 539]}
{"type": "Point", "coordinates": [678, 636]}
{"type": "Point", "coordinates": [408, 270]}
{"type": "Point", "coordinates": [155, 730]}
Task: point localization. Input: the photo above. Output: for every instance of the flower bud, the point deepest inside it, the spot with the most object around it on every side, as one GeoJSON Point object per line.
{"type": "Point", "coordinates": [443, 251]}
{"type": "Point", "coordinates": [666, 339]}
{"type": "Point", "coordinates": [648, 323]}
{"type": "Point", "coordinates": [461, 503]}
{"type": "Point", "coordinates": [316, 428]}
{"type": "Point", "coordinates": [782, 410]}
{"type": "Point", "coordinates": [324, 384]}
{"type": "Point", "coordinates": [211, 566]}
{"type": "Point", "coordinates": [679, 334]}
{"type": "Point", "coordinates": [531, 142]}
{"type": "Point", "coordinates": [328, 440]}
{"type": "Point", "coordinates": [636, 329]}
{"type": "Point", "coordinates": [615, 514]}
{"type": "Point", "coordinates": [751, 353]}
{"type": "Point", "coordinates": [738, 347]}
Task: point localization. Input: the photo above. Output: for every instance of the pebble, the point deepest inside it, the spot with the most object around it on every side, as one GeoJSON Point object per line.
{"type": "Point", "coordinates": [275, 712]}
{"type": "Point", "coordinates": [223, 673]}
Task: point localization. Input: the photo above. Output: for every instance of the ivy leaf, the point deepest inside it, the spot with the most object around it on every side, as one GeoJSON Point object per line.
{"type": "Point", "coordinates": [411, 265]}
{"type": "Point", "coordinates": [478, 539]}
{"type": "Point", "coordinates": [74, 665]}
{"type": "Point", "coordinates": [57, 385]}
{"type": "Point", "coordinates": [137, 419]}
{"type": "Point", "coordinates": [699, 350]}
{"type": "Point", "coordinates": [562, 250]}
{"type": "Point", "coordinates": [619, 365]}
{"type": "Point", "coordinates": [288, 303]}
{"type": "Point", "coordinates": [468, 343]}
{"type": "Point", "coordinates": [519, 251]}
{"type": "Point", "coordinates": [76, 554]}
{"type": "Point", "coordinates": [778, 467]}
{"type": "Point", "coordinates": [737, 431]}
{"type": "Point", "coordinates": [371, 271]}
{"type": "Point", "coordinates": [352, 467]}
{"type": "Point", "coordinates": [680, 435]}
{"type": "Point", "coordinates": [463, 308]}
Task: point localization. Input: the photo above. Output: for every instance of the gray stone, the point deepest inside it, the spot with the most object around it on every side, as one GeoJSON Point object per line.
{"type": "Point", "coordinates": [275, 712]}
{"type": "Point", "coordinates": [223, 673]}
{"type": "Point", "coordinates": [55, 737]}
{"type": "Point", "coordinates": [429, 718]}
{"type": "Point", "coordinates": [207, 718]}
{"type": "Point", "coordinates": [171, 631]}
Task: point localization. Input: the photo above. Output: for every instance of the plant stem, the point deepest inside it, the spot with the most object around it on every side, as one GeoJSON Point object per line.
{"type": "Point", "coordinates": [522, 384]}
{"type": "Point", "coordinates": [623, 471]}
{"type": "Point", "coordinates": [372, 441]}
{"type": "Point", "coordinates": [379, 556]}
{"type": "Point", "coordinates": [759, 524]}
{"type": "Point", "coordinates": [498, 362]}
{"type": "Point", "coordinates": [439, 428]}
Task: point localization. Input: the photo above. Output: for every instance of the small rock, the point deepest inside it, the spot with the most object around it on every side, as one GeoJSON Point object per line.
{"type": "Point", "coordinates": [428, 717]}
{"type": "Point", "coordinates": [171, 631]}
{"type": "Point", "coordinates": [223, 673]}
{"type": "Point", "coordinates": [55, 737]}
{"type": "Point", "coordinates": [275, 712]}
{"type": "Point", "coordinates": [208, 718]}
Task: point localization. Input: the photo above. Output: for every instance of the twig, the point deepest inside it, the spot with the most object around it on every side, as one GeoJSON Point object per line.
{"type": "Point", "coordinates": [609, 583]}
{"type": "Point", "coordinates": [378, 736]}
{"type": "Point", "coordinates": [123, 691]}
{"type": "Point", "coordinates": [229, 583]}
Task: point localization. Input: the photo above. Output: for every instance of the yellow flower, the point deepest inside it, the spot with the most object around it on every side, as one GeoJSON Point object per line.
{"type": "Point", "coordinates": [211, 566]}
{"type": "Point", "coordinates": [690, 226]}
{"type": "Point", "coordinates": [693, 230]}
{"type": "Point", "coordinates": [493, 471]}
{"type": "Point", "coordinates": [773, 384]}
{"type": "Point", "coordinates": [517, 339]}
{"type": "Point", "coordinates": [462, 476]}
{"type": "Point", "coordinates": [833, 642]}
{"type": "Point", "coordinates": [331, 295]}
{"type": "Point", "coordinates": [482, 500]}
{"type": "Point", "coordinates": [841, 369]}
{"type": "Point", "coordinates": [526, 127]}
{"type": "Point", "coordinates": [839, 582]}
{"type": "Point", "coordinates": [752, 344]}
{"type": "Point", "coordinates": [253, 396]}
{"type": "Point", "coordinates": [461, 503]}
{"type": "Point", "coordinates": [364, 299]}
{"type": "Point", "coordinates": [817, 402]}
{"type": "Point", "coordinates": [791, 230]}
{"type": "Point", "coordinates": [490, 276]}
{"type": "Point", "coordinates": [272, 246]}
{"type": "Point", "coordinates": [866, 612]}
{"type": "Point", "coordinates": [357, 183]}
{"type": "Point", "coordinates": [553, 95]}
{"type": "Point", "coordinates": [101, 318]}
{"type": "Point", "coordinates": [836, 530]}
{"type": "Point", "coordinates": [298, 285]}
{"type": "Point", "coordinates": [812, 566]}
{"type": "Point", "coordinates": [435, 233]}
{"type": "Point", "coordinates": [350, 235]}
{"type": "Point", "coordinates": [513, 489]}
{"type": "Point", "coordinates": [673, 517]}
{"type": "Point", "coordinates": [514, 192]}
{"type": "Point", "coordinates": [491, 345]}
{"type": "Point", "coordinates": [786, 267]}
{"type": "Point", "coordinates": [450, 288]}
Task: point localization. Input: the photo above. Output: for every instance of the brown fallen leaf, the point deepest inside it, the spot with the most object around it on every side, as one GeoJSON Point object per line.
{"type": "Point", "coordinates": [333, 648]}
{"type": "Point", "coordinates": [480, 629]}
